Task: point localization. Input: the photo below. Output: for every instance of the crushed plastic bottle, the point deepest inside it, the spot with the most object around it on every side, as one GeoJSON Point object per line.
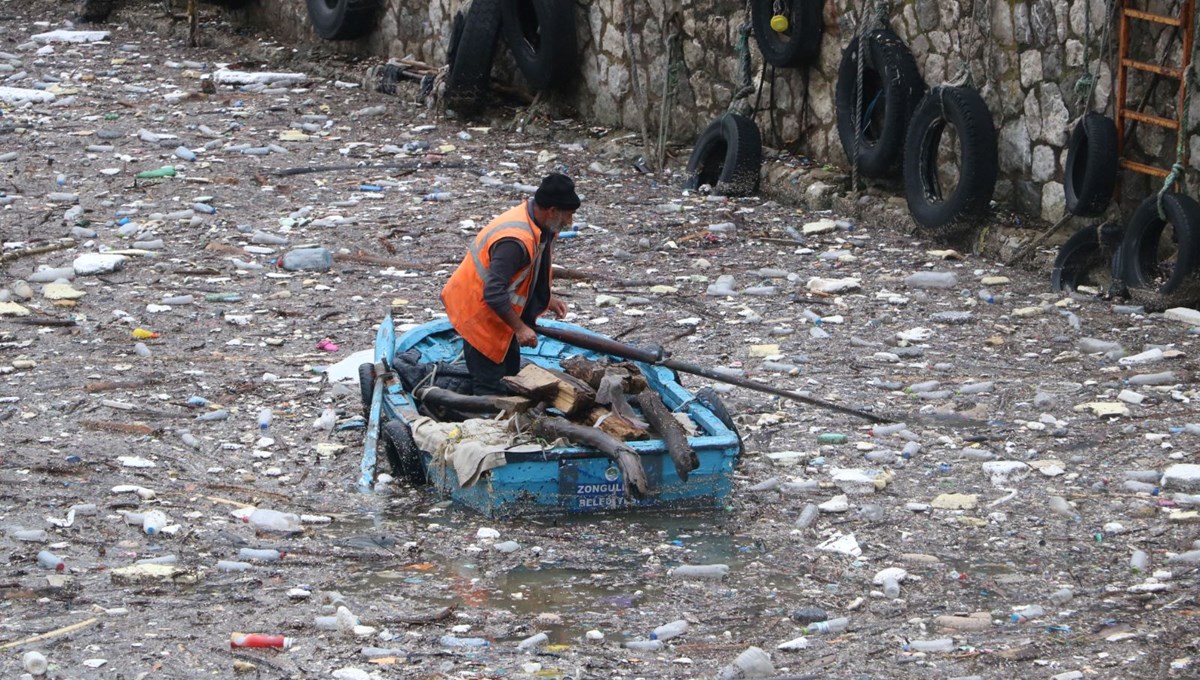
{"type": "Point", "coordinates": [264, 519]}
{"type": "Point", "coordinates": [751, 663]}
{"type": "Point", "coordinates": [307, 259]}
{"type": "Point", "coordinates": [830, 627]}
{"type": "Point", "coordinates": [669, 630]}
{"type": "Point", "coordinates": [264, 419]}
{"type": "Point", "coordinates": [153, 522]}
{"type": "Point", "coordinates": [931, 280]}
{"type": "Point", "coordinates": [455, 641]}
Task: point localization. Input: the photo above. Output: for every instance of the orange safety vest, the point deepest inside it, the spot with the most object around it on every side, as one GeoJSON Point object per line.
{"type": "Point", "coordinates": [462, 296]}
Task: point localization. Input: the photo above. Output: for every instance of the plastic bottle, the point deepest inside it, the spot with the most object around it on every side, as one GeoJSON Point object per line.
{"type": "Point", "coordinates": [644, 645]}
{"type": "Point", "coordinates": [986, 296]}
{"type": "Point", "coordinates": [1062, 596]}
{"type": "Point", "coordinates": [931, 280]}
{"type": "Point", "coordinates": [307, 260]}
{"type": "Point", "coordinates": [938, 645]}
{"type": "Point", "coordinates": [807, 516]}
{"type": "Point", "coordinates": [752, 663]}
{"type": "Point", "coordinates": [700, 571]}
{"type": "Point", "coordinates": [454, 641]}
{"type": "Point", "coordinates": [153, 522]}
{"type": "Point", "coordinates": [264, 555]}
{"type": "Point", "coordinates": [220, 414]}
{"type": "Point", "coordinates": [189, 440]}
{"type": "Point", "coordinates": [264, 419]}
{"type": "Point", "coordinates": [30, 535]}
{"type": "Point", "coordinates": [1164, 378]}
{"type": "Point", "coordinates": [1024, 614]}
{"type": "Point", "coordinates": [533, 642]}
{"type": "Point", "coordinates": [273, 520]}
{"type": "Point", "coordinates": [1138, 561]}
{"type": "Point", "coordinates": [48, 560]}
{"type": "Point", "coordinates": [1060, 506]}
{"type": "Point", "coordinates": [165, 171]}
{"type": "Point", "coordinates": [811, 316]}
{"type": "Point", "coordinates": [231, 565]}
{"type": "Point", "coordinates": [266, 238]}
{"type": "Point", "coordinates": [259, 640]}
{"type": "Point", "coordinates": [438, 196]}
{"type": "Point", "coordinates": [161, 559]}
{"type": "Point", "coordinates": [884, 430]}
{"type": "Point", "coordinates": [832, 626]}
{"type": "Point", "coordinates": [891, 588]}
{"type": "Point", "coordinates": [669, 630]}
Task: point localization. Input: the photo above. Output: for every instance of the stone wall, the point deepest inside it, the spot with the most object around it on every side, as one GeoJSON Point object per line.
{"type": "Point", "coordinates": [1025, 56]}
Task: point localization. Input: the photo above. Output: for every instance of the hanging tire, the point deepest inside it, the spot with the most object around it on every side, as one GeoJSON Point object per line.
{"type": "Point", "coordinates": [798, 45]}
{"type": "Point", "coordinates": [1159, 264]}
{"type": "Point", "coordinates": [342, 19]}
{"type": "Point", "coordinates": [1091, 171]}
{"type": "Point", "coordinates": [403, 454]}
{"type": "Point", "coordinates": [366, 387]}
{"type": "Point", "coordinates": [1089, 257]}
{"type": "Point", "coordinates": [541, 36]}
{"type": "Point", "coordinates": [962, 109]}
{"type": "Point", "coordinates": [473, 51]}
{"type": "Point", "coordinates": [891, 88]}
{"type": "Point", "coordinates": [727, 156]}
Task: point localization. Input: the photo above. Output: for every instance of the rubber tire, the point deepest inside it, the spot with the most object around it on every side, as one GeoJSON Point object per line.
{"type": "Point", "coordinates": [1142, 238]}
{"type": "Point", "coordinates": [890, 78]}
{"type": "Point", "coordinates": [806, 23]}
{"type": "Point", "coordinates": [965, 110]}
{"type": "Point", "coordinates": [366, 387]}
{"type": "Point", "coordinates": [470, 74]}
{"type": "Point", "coordinates": [1093, 247]}
{"type": "Point", "coordinates": [727, 156]}
{"type": "Point", "coordinates": [1091, 171]}
{"type": "Point", "coordinates": [541, 36]}
{"type": "Point", "coordinates": [402, 452]}
{"type": "Point", "coordinates": [342, 19]}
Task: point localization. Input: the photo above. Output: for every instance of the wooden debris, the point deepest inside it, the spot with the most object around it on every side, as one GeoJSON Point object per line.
{"type": "Point", "coordinates": [572, 396]}
{"type": "Point", "coordinates": [61, 244]}
{"type": "Point", "coordinates": [107, 385]}
{"type": "Point", "coordinates": [671, 431]}
{"type": "Point", "coordinates": [123, 428]}
{"type": "Point", "coordinates": [634, 476]}
{"type": "Point", "coordinates": [614, 425]}
{"type": "Point", "coordinates": [465, 403]}
{"type": "Point", "coordinates": [57, 632]}
{"type": "Point", "coordinates": [363, 257]}
{"type": "Point", "coordinates": [533, 383]}
{"type": "Point", "coordinates": [593, 372]}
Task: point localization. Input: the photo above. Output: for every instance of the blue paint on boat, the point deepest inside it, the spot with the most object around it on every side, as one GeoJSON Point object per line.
{"type": "Point", "coordinates": [566, 478]}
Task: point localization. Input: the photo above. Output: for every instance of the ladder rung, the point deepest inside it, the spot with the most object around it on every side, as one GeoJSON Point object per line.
{"type": "Point", "coordinates": [1169, 71]}
{"type": "Point", "coordinates": [1156, 18]}
{"type": "Point", "coordinates": [1143, 168]}
{"type": "Point", "coordinates": [1147, 118]}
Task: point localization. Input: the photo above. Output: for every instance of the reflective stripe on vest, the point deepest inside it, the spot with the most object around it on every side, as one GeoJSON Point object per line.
{"type": "Point", "coordinates": [476, 249]}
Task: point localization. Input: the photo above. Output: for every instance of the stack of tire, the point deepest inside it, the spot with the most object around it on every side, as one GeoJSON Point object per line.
{"type": "Point", "coordinates": [1154, 259]}
{"type": "Point", "coordinates": [541, 35]}
{"type": "Point", "coordinates": [895, 120]}
{"type": "Point", "coordinates": [728, 154]}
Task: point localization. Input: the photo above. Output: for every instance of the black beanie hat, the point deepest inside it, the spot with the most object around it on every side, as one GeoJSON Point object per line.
{"type": "Point", "coordinates": [557, 191]}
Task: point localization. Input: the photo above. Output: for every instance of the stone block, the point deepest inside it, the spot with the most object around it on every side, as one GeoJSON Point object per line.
{"type": "Point", "coordinates": [1054, 201]}
{"type": "Point", "coordinates": [1043, 167]}
{"type": "Point", "coordinates": [1031, 68]}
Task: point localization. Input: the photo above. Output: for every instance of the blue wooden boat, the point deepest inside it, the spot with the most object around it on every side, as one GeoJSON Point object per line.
{"type": "Point", "coordinates": [562, 479]}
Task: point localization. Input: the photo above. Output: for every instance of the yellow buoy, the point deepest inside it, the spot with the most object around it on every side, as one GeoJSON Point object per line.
{"type": "Point", "coordinates": [779, 23]}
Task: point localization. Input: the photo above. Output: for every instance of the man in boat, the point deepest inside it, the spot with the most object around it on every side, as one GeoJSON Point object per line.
{"type": "Point", "coordinates": [502, 285]}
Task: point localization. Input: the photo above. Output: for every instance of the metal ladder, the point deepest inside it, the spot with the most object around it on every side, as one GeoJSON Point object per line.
{"type": "Point", "coordinates": [1125, 114]}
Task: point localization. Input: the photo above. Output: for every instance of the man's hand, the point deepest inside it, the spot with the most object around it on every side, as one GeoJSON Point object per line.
{"type": "Point", "coordinates": [525, 336]}
{"type": "Point", "coordinates": [557, 307]}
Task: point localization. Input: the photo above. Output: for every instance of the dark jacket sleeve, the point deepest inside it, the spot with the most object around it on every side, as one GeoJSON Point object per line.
{"type": "Point", "coordinates": [508, 258]}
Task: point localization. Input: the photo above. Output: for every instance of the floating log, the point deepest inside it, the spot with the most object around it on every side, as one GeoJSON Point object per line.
{"type": "Point", "coordinates": [671, 431]}
{"type": "Point", "coordinates": [636, 484]}
{"type": "Point", "coordinates": [466, 403]}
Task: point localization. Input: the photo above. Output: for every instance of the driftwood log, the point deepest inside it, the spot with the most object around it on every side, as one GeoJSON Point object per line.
{"type": "Point", "coordinates": [593, 372]}
{"type": "Point", "coordinates": [671, 431]}
{"type": "Point", "coordinates": [464, 403]}
{"type": "Point", "coordinates": [636, 484]}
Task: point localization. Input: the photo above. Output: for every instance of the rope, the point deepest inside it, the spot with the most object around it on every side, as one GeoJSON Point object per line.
{"type": "Point", "coordinates": [856, 119]}
{"type": "Point", "coordinates": [1086, 85]}
{"type": "Point", "coordinates": [670, 85]}
{"type": "Point", "coordinates": [742, 47]}
{"type": "Point", "coordinates": [1191, 75]}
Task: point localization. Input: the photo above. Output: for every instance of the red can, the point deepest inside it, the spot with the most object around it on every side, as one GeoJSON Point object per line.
{"type": "Point", "coordinates": [259, 640]}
